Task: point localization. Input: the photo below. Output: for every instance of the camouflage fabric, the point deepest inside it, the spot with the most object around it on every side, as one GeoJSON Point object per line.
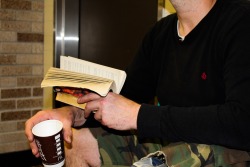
{"type": "Point", "coordinates": [196, 155]}
{"type": "Point", "coordinates": [120, 149]}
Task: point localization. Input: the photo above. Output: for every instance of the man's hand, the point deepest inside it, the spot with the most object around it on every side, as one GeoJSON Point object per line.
{"type": "Point", "coordinates": [69, 116]}
{"type": "Point", "coordinates": [113, 111]}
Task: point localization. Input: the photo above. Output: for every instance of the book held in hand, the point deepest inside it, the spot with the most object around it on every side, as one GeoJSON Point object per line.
{"type": "Point", "coordinates": [76, 77]}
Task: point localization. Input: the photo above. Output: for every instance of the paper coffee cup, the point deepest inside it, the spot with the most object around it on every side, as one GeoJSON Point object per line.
{"type": "Point", "coordinates": [49, 140]}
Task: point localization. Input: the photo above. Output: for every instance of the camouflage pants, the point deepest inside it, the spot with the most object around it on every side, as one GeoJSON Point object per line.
{"type": "Point", "coordinates": [120, 149]}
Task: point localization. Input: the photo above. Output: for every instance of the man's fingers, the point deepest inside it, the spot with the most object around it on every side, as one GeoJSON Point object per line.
{"type": "Point", "coordinates": [67, 133]}
{"type": "Point", "coordinates": [91, 107]}
{"type": "Point", "coordinates": [98, 116]}
{"type": "Point", "coordinates": [88, 97]}
{"type": "Point", "coordinates": [34, 149]}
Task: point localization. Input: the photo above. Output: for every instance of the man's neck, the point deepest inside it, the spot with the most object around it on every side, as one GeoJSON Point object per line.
{"type": "Point", "coordinates": [190, 13]}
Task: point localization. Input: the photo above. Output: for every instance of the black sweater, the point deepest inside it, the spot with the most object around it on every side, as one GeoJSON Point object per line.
{"type": "Point", "coordinates": [202, 83]}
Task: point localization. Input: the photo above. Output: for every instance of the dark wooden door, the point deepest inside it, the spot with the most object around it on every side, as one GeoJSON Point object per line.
{"type": "Point", "coordinates": [111, 30]}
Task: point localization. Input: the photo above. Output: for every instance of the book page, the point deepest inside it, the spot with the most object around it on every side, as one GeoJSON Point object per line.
{"type": "Point", "coordinates": [63, 78]}
{"type": "Point", "coordinates": [68, 99]}
{"type": "Point", "coordinates": [82, 66]}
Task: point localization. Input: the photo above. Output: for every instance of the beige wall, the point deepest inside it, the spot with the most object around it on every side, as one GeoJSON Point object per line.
{"type": "Point", "coordinates": [169, 7]}
{"type": "Point", "coordinates": [48, 48]}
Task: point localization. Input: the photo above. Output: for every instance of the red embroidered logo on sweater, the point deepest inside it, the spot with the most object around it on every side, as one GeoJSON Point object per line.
{"type": "Point", "coordinates": [204, 76]}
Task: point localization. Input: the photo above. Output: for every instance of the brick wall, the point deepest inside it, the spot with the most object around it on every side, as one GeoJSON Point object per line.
{"type": "Point", "coordinates": [21, 69]}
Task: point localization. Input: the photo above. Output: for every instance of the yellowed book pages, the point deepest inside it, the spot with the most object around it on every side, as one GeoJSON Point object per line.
{"type": "Point", "coordinates": [76, 73]}
{"type": "Point", "coordinates": [64, 78]}
{"type": "Point", "coordinates": [82, 66]}
{"type": "Point", "coordinates": [69, 99]}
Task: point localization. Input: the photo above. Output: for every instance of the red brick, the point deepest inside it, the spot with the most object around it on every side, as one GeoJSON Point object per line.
{"type": "Point", "coordinates": [37, 91]}
{"type": "Point", "coordinates": [7, 59]}
{"type": "Point", "coordinates": [29, 81]}
{"type": "Point", "coordinates": [7, 104]}
{"type": "Point", "coordinates": [28, 37]}
{"type": "Point", "coordinates": [16, 115]}
{"type": "Point", "coordinates": [15, 70]}
{"type": "Point", "coordinates": [30, 103]}
{"type": "Point", "coordinates": [15, 93]}
{"type": "Point", "coordinates": [16, 4]}
{"type": "Point", "coordinates": [21, 125]}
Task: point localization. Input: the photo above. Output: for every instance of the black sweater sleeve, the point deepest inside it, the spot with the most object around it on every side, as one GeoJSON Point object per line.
{"type": "Point", "coordinates": [224, 124]}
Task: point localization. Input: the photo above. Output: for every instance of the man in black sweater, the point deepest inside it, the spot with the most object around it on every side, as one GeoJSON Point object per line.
{"type": "Point", "coordinates": [197, 63]}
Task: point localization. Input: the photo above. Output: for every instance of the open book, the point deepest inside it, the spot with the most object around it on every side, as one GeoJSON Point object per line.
{"type": "Point", "coordinates": [80, 77]}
